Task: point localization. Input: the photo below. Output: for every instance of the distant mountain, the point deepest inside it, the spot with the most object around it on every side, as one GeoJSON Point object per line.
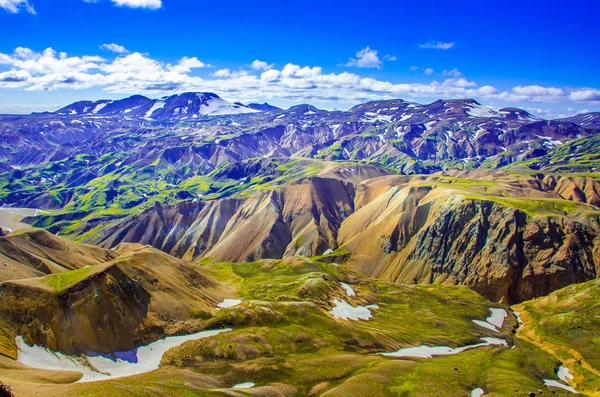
{"type": "Point", "coordinates": [586, 119]}
{"type": "Point", "coordinates": [51, 159]}
{"type": "Point", "coordinates": [175, 107]}
{"type": "Point", "coordinates": [263, 107]}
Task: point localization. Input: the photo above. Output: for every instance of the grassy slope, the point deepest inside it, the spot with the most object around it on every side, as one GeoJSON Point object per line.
{"type": "Point", "coordinates": [285, 342]}
{"type": "Point", "coordinates": [567, 325]}
{"type": "Point", "coordinates": [130, 190]}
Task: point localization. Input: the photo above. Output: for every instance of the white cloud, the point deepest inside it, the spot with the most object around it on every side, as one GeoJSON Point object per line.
{"type": "Point", "coordinates": [414, 68]}
{"type": "Point", "coordinates": [365, 58]}
{"type": "Point", "coordinates": [14, 6]}
{"type": "Point", "coordinates": [452, 73]}
{"type": "Point", "coordinates": [260, 65]}
{"type": "Point", "coordinates": [222, 73]}
{"type": "Point", "coordinates": [428, 71]}
{"type": "Point", "coordinates": [389, 57]}
{"type": "Point", "coordinates": [186, 64]}
{"type": "Point", "coordinates": [438, 45]}
{"type": "Point", "coordinates": [138, 73]}
{"type": "Point", "coordinates": [117, 49]}
{"type": "Point", "coordinates": [588, 94]}
{"type": "Point", "coordinates": [150, 4]}
{"type": "Point", "coordinates": [270, 75]}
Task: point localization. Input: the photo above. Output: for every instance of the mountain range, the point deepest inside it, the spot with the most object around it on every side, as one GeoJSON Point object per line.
{"type": "Point", "coordinates": [315, 247]}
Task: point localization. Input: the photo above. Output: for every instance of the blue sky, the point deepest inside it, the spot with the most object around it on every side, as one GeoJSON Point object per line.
{"type": "Point", "coordinates": [542, 56]}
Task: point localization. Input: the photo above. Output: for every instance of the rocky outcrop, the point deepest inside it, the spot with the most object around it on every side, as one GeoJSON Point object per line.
{"type": "Point", "coordinates": [499, 251]}
{"type": "Point", "coordinates": [453, 228]}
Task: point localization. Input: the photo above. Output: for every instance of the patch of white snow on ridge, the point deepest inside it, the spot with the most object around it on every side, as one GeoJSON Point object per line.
{"type": "Point", "coordinates": [425, 351]}
{"type": "Point", "coordinates": [95, 367]}
{"type": "Point", "coordinates": [229, 303]}
{"type": "Point", "coordinates": [99, 107]}
{"type": "Point", "coordinates": [563, 373]}
{"type": "Point", "coordinates": [494, 321]}
{"type": "Point", "coordinates": [497, 317]}
{"type": "Point", "coordinates": [344, 311]}
{"type": "Point", "coordinates": [480, 111]}
{"type": "Point", "coordinates": [349, 290]}
{"type": "Point", "coordinates": [555, 383]}
{"type": "Point", "coordinates": [549, 141]}
{"type": "Point", "coordinates": [477, 392]}
{"type": "Point", "coordinates": [157, 105]}
{"type": "Point", "coordinates": [218, 106]}
{"type": "Point", "coordinates": [244, 385]}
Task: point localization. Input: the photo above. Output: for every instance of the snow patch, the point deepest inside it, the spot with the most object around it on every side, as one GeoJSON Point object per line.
{"type": "Point", "coordinates": [157, 105]}
{"type": "Point", "coordinates": [229, 303]}
{"type": "Point", "coordinates": [405, 116]}
{"type": "Point", "coordinates": [477, 392]}
{"type": "Point", "coordinates": [98, 366]}
{"type": "Point", "coordinates": [344, 311]}
{"type": "Point", "coordinates": [549, 141]}
{"type": "Point", "coordinates": [555, 383]}
{"type": "Point", "coordinates": [425, 351]}
{"type": "Point", "coordinates": [480, 111]}
{"type": "Point", "coordinates": [563, 374]}
{"type": "Point", "coordinates": [244, 385]}
{"type": "Point", "coordinates": [99, 107]}
{"type": "Point", "coordinates": [349, 289]}
{"type": "Point", "coordinates": [494, 321]}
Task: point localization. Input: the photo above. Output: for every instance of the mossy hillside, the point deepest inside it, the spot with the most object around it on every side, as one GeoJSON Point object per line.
{"type": "Point", "coordinates": [296, 343]}
{"type": "Point", "coordinates": [577, 156]}
{"type": "Point", "coordinates": [60, 281]}
{"type": "Point", "coordinates": [131, 189]}
{"type": "Point", "coordinates": [449, 311]}
{"type": "Point", "coordinates": [287, 343]}
{"type": "Point", "coordinates": [566, 324]}
{"type": "Point", "coordinates": [510, 190]}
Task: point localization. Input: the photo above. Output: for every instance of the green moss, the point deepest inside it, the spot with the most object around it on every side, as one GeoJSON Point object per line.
{"type": "Point", "coordinates": [60, 281]}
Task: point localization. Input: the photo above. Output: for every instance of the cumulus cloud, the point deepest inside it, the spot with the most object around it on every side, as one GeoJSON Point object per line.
{"type": "Point", "coordinates": [135, 73]}
{"type": "Point", "coordinates": [222, 73]}
{"type": "Point", "coordinates": [150, 4]}
{"type": "Point", "coordinates": [428, 71]}
{"type": "Point", "coordinates": [117, 49]}
{"type": "Point", "coordinates": [389, 57]}
{"type": "Point", "coordinates": [261, 65]}
{"type": "Point", "coordinates": [452, 73]}
{"type": "Point", "coordinates": [414, 68]}
{"type": "Point", "coordinates": [365, 58]}
{"type": "Point", "coordinates": [14, 6]}
{"type": "Point", "coordinates": [587, 94]}
{"type": "Point", "coordinates": [437, 45]}
{"type": "Point", "coordinates": [186, 64]}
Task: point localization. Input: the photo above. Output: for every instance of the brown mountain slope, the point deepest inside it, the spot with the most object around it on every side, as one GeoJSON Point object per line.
{"type": "Point", "coordinates": [427, 235]}
{"type": "Point", "coordinates": [139, 296]}
{"type": "Point", "coordinates": [35, 252]}
{"type": "Point", "coordinates": [508, 236]}
{"type": "Point", "coordinates": [298, 219]}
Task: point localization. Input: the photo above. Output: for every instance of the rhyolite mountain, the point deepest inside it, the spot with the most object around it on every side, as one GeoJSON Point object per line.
{"type": "Point", "coordinates": [198, 177]}
{"type": "Point", "coordinates": [158, 213]}
{"type": "Point", "coordinates": [182, 106]}
{"type": "Point", "coordinates": [193, 134]}
{"type": "Point", "coordinates": [508, 239]}
{"type": "Point", "coordinates": [412, 137]}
